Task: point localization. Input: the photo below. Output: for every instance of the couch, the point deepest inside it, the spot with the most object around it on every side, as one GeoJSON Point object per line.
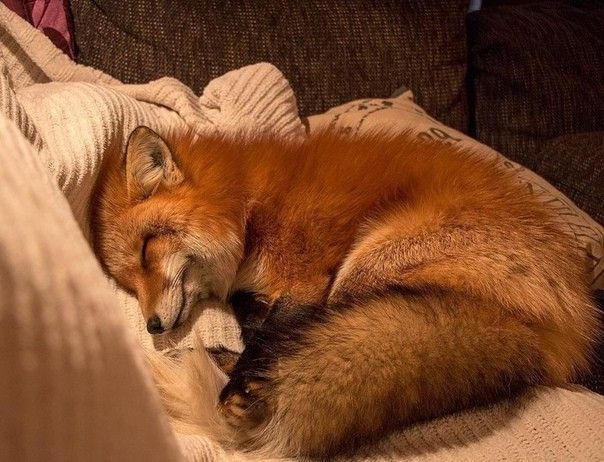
{"type": "Point", "coordinates": [486, 74]}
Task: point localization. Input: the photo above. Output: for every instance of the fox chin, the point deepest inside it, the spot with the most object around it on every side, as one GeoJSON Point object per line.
{"type": "Point", "coordinates": [379, 280]}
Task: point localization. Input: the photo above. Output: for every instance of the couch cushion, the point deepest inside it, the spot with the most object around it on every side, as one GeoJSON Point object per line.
{"type": "Point", "coordinates": [575, 164]}
{"type": "Point", "coordinates": [331, 52]}
{"type": "Point", "coordinates": [537, 73]}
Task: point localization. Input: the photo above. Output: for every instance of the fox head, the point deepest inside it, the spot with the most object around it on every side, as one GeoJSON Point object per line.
{"type": "Point", "coordinates": [167, 223]}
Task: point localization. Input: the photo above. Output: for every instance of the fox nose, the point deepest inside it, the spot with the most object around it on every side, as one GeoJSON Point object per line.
{"type": "Point", "coordinates": [154, 325]}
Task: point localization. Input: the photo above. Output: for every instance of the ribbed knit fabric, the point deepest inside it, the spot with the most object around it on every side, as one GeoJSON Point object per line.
{"type": "Point", "coordinates": [72, 383]}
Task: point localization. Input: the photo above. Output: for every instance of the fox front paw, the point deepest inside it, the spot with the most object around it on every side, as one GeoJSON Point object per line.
{"type": "Point", "coordinates": [249, 398]}
{"type": "Point", "coordinates": [244, 402]}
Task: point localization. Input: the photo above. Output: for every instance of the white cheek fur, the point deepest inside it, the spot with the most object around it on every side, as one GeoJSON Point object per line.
{"type": "Point", "coordinates": [174, 265]}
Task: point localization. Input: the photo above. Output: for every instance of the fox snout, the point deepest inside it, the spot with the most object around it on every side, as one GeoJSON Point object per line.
{"type": "Point", "coordinates": [167, 310]}
{"type": "Point", "coordinates": [168, 296]}
{"type": "Point", "coordinates": [154, 325]}
{"type": "Point", "coordinates": [170, 311]}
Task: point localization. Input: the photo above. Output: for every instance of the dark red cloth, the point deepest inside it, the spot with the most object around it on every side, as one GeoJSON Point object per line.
{"type": "Point", "coordinates": [52, 17]}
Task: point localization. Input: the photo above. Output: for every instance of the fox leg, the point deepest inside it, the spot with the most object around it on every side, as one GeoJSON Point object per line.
{"type": "Point", "coordinates": [251, 309]}
{"type": "Point", "coordinates": [245, 398]}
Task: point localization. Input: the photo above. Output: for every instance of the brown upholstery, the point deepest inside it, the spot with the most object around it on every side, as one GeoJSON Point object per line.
{"type": "Point", "coordinates": [575, 163]}
{"type": "Point", "coordinates": [537, 73]}
{"type": "Point", "coordinates": [331, 51]}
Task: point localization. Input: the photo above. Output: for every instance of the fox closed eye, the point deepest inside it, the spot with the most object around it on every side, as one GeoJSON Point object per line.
{"type": "Point", "coordinates": [144, 259]}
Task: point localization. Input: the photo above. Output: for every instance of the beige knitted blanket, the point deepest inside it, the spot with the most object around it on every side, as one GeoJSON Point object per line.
{"type": "Point", "coordinates": [72, 382]}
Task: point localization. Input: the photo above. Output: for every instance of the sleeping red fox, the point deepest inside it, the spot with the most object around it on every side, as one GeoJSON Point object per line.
{"type": "Point", "coordinates": [401, 279]}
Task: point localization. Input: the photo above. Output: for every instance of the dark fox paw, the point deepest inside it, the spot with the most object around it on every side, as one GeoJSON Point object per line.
{"type": "Point", "coordinates": [250, 397]}
{"type": "Point", "coordinates": [245, 402]}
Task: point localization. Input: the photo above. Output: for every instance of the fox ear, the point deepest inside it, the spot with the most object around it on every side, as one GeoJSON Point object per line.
{"type": "Point", "coordinates": [149, 163]}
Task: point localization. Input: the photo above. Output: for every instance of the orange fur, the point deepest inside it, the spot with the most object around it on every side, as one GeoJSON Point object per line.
{"type": "Point", "coordinates": [405, 260]}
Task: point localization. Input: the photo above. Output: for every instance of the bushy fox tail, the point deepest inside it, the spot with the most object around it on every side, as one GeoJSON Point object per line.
{"type": "Point", "coordinates": [368, 368]}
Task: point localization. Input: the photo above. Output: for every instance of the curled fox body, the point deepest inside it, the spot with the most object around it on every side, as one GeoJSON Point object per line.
{"type": "Point", "coordinates": [400, 279]}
